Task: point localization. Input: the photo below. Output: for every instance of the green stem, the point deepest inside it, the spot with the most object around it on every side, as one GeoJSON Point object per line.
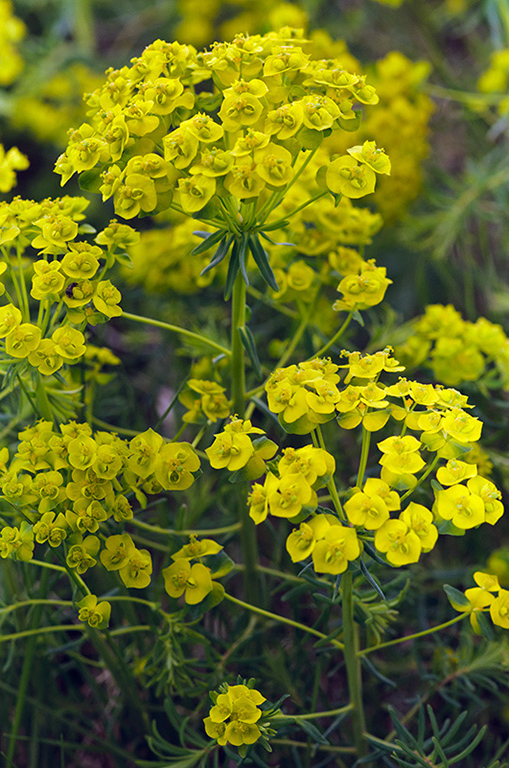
{"type": "Point", "coordinates": [366, 439]}
{"type": "Point", "coordinates": [299, 208]}
{"type": "Point", "coordinates": [316, 715]}
{"type": "Point", "coordinates": [34, 601]}
{"type": "Point", "coordinates": [414, 636]}
{"type": "Point", "coordinates": [42, 399]}
{"type": "Point", "coordinates": [353, 666]}
{"type": "Point", "coordinates": [237, 355]}
{"type": "Point", "coordinates": [422, 477]}
{"type": "Point", "coordinates": [186, 531]}
{"type": "Point", "coordinates": [284, 620]}
{"type": "Point", "coordinates": [319, 442]}
{"type": "Point", "coordinates": [26, 671]}
{"type": "Point", "coordinates": [84, 26]}
{"type": "Point", "coordinates": [321, 747]}
{"type": "Point", "coordinates": [196, 337]}
{"type": "Point", "coordinates": [335, 338]}
{"type": "Point", "coordinates": [113, 428]}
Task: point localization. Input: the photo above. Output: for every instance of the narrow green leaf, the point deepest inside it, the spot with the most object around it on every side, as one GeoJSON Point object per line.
{"type": "Point", "coordinates": [249, 345]}
{"type": "Point", "coordinates": [233, 268]}
{"type": "Point", "coordinates": [224, 247]}
{"type": "Point", "coordinates": [311, 731]}
{"type": "Point", "coordinates": [369, 578]}
{"type": "Point", "coordinates": [262, 262]}
{"type": "Point", "coordinates": [208, 242]}
{"type": "Point", "coordinates": [242, 257]}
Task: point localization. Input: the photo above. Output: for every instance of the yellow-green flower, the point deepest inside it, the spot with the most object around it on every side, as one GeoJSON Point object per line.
{"type": "Point", "coordinates": [400, 543]}
{"type": "Point", "coordinates": [106, 299]}
{"type": "Point", "coordinates": [345, 177]}
{"type": "Point", "coordinates": [94, 613]}
{"type": "Point", "coordinates": [338, 547]}
{"type": "Point", "coordinates": [23, 340]}
{"type": "Point", "coordinates": [136, 572]}
{"type": "Point", "coordinates": [192, 581]}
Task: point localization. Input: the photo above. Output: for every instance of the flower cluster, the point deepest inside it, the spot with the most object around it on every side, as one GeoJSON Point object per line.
{"type": "Point", "coordinates": [457, 350]}
{"type": "Point", "coordinates": [235, 450]}
{"type": "Point", "coordinates": [258, 81]}
{"type": "Point", "coordinates": [74, 485]}
{"type": "Point", "coordinates": [494, 80]}
{"type": "Point", "coordinates": [459, 498]}
{"type": "Point", "coordinates": [487, 596]}
{"type": "Point", "coordinates": [12, 31]}
{"type": "Point", "coordinates": [400, 123]}
{"type": "Point", "coordinates": [205, 401]}
{"type": "Point", "coordinates": [11, 161]}
{"type": "Point", "coordinates": [66, 281]}
{"type": "Point", "coordinates": [235, 715]}
{"type": "Point", "coordinates": [192, 581]}
{"type": "Point", "coordinates": [300, 473]}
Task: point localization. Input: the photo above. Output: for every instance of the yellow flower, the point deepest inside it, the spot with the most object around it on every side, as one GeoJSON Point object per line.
{"type": "Point", "coordinates": [230, 450]}
{"type": "Point", "coordinates": [197, 548]}
{"type": "Point", "coordinates": [46, 358]}
{"type": "Point", "coordinates": [136, 572]}
{"type": "Point", "coordinates": [70, 343]}
{"type": "Point", "coordinates": [374, 157]}
{"type": "Point", "coordinates": [455, 471]}
{"type": "Point", "coordinates": [401, 454]}
{"type": "Point", "coordinates": [400, 543]}
{"type": "Point", "coordinates": [175, 464]}
{"type": "Point", "coordinates": [457, 503]}
{"type": "Point", "coordinates": [106, 299]}
{"type": "Point", "coordinates": [301, 542]}
{"type": "Point", "coordinates": [22, 340]}
{"type": "Point", "coordinates": [94, 613]}
{"type": "Point", "coordinates": [194, 582]}
{"type": "Point", "coordinates": [291, 493]}
{"type": "Point", "coordinates": [338, 546]}
{"type": "Point", "coordinates": [366, 511]}
{"type": "Point", "coordinates": [345, 177]}
{"type": "Point", "coordinates": [420, 520]}
{"type": "Point", "coordinates": [118, 550]}
{"type": "Point", "coordinates": [499, 609]}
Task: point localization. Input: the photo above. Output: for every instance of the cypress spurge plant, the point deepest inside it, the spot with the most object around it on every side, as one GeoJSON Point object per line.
{"type": "Point", "coordinates": [243, 138]}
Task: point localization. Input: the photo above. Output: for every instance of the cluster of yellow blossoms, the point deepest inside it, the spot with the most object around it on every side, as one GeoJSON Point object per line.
{"type": "Point", "coordinates": [11, 161]}
{"type": "Point", "coordinates": [431, 460]}
{"type": "Point", "coordinates": [235, 717]}
{"type": "Point", "coordinates": [495, 80]}
{"type": "Point", "coordinates": [457, 350]}
{"type": "Point", "coordinates": [73, 485]}
{"type": "Point", "coordinates": [66, 281]}
{"type": "Point", "coordinates": [487, 596]}
{"type": "Point", "coordinates": [155, 137]}
{"type": "Point", "coordinates": [12, 31]}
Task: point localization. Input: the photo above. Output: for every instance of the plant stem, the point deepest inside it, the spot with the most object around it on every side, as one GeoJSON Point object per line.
{"type": "Point", "coordinates": [353, 666]}
{"type": "Point", "coordinates": [284, 620]}
{"type": "Point", "coordinates": [366, 439]}
{"type": "Point", "coordinates": [26, 671]}
{"type": "Point", "coordinates": [315, 715]}
{"type": "Point", "coordinates": [187, 531]}
{"type": "Point", "coordinates": [335, 338]}
{"type": "Point", "coordinates": [237, 369]}
{"type": "Point", "coordinates": [238, 389]}
{"type": "Point", "coordinates": [196, 337]}
{"type": "Point", "coordinates": [398, 640]}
